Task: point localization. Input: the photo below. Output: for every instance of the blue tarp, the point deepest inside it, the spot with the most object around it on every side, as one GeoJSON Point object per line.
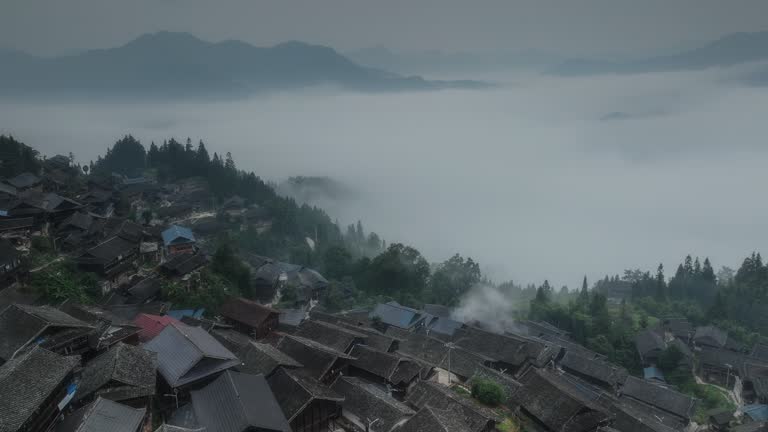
{"type": "Point", "coordinates": [181, 313]}
{"type": "Point", "coordinates": [653, 373]}
{"type": "Point", "coordinates": [756, 412]}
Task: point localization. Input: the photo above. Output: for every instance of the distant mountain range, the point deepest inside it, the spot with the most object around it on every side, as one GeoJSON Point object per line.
{"type": "Point", "coordinates": [730, 50]}
{"type": "Point", "coordinates": [179, 64]}
{"type": "Point", "coordinates": [437, 61]}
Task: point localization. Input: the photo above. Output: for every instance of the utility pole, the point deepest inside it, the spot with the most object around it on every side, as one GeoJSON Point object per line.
{"type": "Point", "coordinates": [450, 347]}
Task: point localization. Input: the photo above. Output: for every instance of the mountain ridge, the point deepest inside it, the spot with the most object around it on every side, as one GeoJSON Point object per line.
{"type": "Point", "coordinates": [180, 64]}
{"type": "Point", "coordinates": [729, 50]}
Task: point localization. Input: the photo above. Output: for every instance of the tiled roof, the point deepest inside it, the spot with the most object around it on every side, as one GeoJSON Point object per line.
{"type": "Point", "coordinates": [27, 381]}
{"type": "Point", "coordinates": [711, 335]}
{"type": "Point", "coordinates": [339, 338]}
{"type": "Point", "coordinates": [606, 373]}
{"type": "Point", "coordinates": [292, 317]}
{"type": "Point", "coordinates": [20, 324]}
{"type": "Point", "coordinates": [316, 358]}
{"type": "Point", "coordinates": [246, 311]}
{"type": "Point", "coordinates": [295, 391]}
{"type": "Point", "coordinates": [508, 349]}
{"type": "Point", "coordinates": [123, 372]}
{"type": "Point", "coordinates": [375, 339]}
{"type": "Point", "coordinates": [7, 224]}
{"type": "Point", "coordinates": [182, 264]}
{"type": "Point", "coordinates": [143, 290]}
{"type": "Point", "coordinates": [375, 362]}
{"type": "Point", "coordinates": [661, 397]}
{"type": "Point", "coordinates": [236, 402]}
{"type": "Point", "coordinates": [430, 394]}
{"type": "Point", "coordinates": [24, 180]}
{"type": "Point", "coordinates": [186, 354]}
{"type": "Point", "coordinates": [366, 401]}
{"type": "Point", "coordinates": [649, 341]}
{"type": "Point", "coordinates": [556, 404]}
{"type": "Point", "coordinates": [435, 420]}
{"type": "Point", "coordinates": [630, 419]}
{"type": "Point", "coordinates": [438, 310]}
{"type": "Point", "coordinates": [111, 249]}
{"type": "Point", "coordinates": [255, 358]}
{"type": "Point", "coordinates": [103, 415]}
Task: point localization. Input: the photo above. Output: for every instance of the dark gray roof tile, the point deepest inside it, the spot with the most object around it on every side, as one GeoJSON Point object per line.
{"type": "Point", "coordinates": [365, 401]}
{"type": "Point", "coordinates": [186, 354]}
{"type": "Point", "coordinates": [27, 381]}
{"type": "Point", "coordinates": [236, 402]}
{"type": "Point", "coordinates": [103, 415]}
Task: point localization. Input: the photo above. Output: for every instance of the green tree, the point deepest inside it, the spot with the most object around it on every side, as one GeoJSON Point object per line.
{"type": "Point", "coordinates": [227, 264]}
{"type": "Point", "coordinates": [400, 272]}
{"type": "Point", "coordinates": [146, 216]}
{"type": "Point", "coordinates": [661, 287]}
{"type": "Point", "coordinates": [127, 156]}
{"type": "Point", "coordinates": [337, 262]}
{"type": "Point", "coordinates": [488, 392]}
{"type": "Point", "coordinates": [452, 279]}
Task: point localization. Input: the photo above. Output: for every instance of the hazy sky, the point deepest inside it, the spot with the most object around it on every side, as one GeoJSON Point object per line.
{"type": "Point", "coordinates": [570, 26]}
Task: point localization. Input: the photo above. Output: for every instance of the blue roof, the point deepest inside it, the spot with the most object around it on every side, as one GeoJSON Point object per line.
{"type": "Point", "coordinates": [446, 326]}
{"type": "Point", "coordinates": [756, 412]}
{"type": "Point", "coordinates": [653, 373]}
{"type": "Point", "coordinates": [395, 314]}
{"type": "Point", "coordinates": [175, 232]}
{"type": "Point", "coordinates": [181, 313]}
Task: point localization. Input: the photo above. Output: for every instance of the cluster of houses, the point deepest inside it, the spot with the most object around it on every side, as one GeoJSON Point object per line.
{"type": "Point", "coordinates": [717, 359]}
{"type": "Point", "coordinates": [393, 368]}
{"type": "Point", "coordinates": [133, 363]}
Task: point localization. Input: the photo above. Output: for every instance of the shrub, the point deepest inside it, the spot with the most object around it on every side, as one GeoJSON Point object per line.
{"type": "Point", "coordinates": [42, 244]}
{"type": "Point", "coordinates": [487, 392]}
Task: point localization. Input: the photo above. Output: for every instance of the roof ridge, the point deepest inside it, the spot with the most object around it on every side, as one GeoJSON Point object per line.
{"type": "Point", "coordinates": [237, 393]}
{"type": "Point", "coordinates": [89, 411]}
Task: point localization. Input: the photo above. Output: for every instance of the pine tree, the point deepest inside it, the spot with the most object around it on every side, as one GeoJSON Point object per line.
{"type": "Point", "coordinates": [229, 164]}
{"type": "Point", "coordinates": [708, 273]}
{"type": "Point", "coordinates": [688, 266]}
{"type": "Point", "coordinates": [202, 154]}
{"type": "Point", "coordinates": [583, 299]}
{"type": "Point", "coordinates": [719, 308]}
{"type": "Point", "coordinates": [359, 232]}
{"type": "Point", "coordinates": [660, 285]}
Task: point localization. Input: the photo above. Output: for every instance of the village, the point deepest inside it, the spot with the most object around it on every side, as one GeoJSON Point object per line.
{"type": "Point", "coordinates": [133, 361]}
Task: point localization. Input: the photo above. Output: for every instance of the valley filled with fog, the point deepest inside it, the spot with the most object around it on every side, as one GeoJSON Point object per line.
{"type": "Point", "coordinates": [540, 177]}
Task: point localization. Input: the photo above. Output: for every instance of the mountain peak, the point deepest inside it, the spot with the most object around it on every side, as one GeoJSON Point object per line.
{"type": "Point", "coordinates": [165, 38]}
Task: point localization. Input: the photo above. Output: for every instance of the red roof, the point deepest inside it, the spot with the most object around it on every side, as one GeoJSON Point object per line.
{"type": "Point", "coordinates": [152, 325]}
{"type": "Point", "coordinates": [247, 312]}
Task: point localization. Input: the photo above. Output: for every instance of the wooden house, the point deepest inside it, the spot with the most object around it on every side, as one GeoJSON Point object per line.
{"type": "Point", "coordinates": [179, 240]}
{"type": "Point", "coordinates": [34, 387]}
{"type": "Point", "coordinates": [250, 317]}
{"type": "Point", "coordinates": [307, 404]}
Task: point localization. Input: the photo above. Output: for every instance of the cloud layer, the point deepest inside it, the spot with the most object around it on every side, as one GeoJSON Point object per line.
{"type": "Point", "coordinates": [528, 179]}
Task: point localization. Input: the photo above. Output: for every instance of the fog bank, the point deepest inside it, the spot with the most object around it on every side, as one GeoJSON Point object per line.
{"type": "Point", "coordinates": [534, 180]}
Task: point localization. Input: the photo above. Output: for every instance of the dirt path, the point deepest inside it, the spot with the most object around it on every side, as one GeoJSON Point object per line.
{"type": "Point", "coordinates": [727, 393]}
{"type": "Point", "coordinates": [37, 269]}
